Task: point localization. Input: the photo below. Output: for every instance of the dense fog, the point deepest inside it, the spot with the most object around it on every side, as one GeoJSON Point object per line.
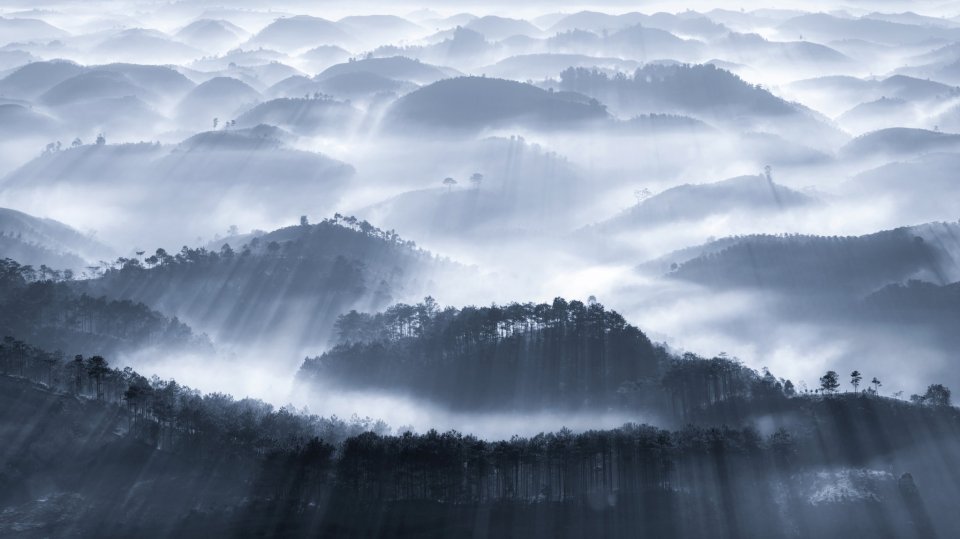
{"type": "Point", "coordinates": [496, 218]}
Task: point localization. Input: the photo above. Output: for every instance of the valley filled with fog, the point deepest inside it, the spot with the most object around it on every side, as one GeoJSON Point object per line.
{"type": "Point", "coordinates": [603, 143]}
{"type": "Point", "coordinates": [417, 215]}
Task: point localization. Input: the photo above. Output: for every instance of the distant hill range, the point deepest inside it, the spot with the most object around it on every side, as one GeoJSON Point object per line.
{"type": "Point", "coordinates": [475, 103]}
{"type": "Point", "coordinates": [39, 242]}
{"type": "Point", "coordinates": [690, 202]}
{"type": "Point", "coordinates": [850, 266]}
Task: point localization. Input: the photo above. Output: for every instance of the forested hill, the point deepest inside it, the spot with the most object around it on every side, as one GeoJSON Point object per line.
{"type": "Point", "coordinates": [288, 284]}
{"type": "Point", "coordinates": [42, 307]}
{"type": "Point", "coordinates": [851, 265]}
{"type": "Point", "coordinates": [520, 355]}
{"type": "Point", "coordinates": [695, 89]}
{"type": "Point", "coordinates": [704, 92]}
{"type": "Point", "coordinates": [209, 465]}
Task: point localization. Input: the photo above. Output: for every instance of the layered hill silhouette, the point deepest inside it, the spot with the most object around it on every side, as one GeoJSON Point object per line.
{"type": "Point", "coordinates": [35, 78]}
{"type": "Point", "coordinates": [308, 116]}
{"type": "Point", "coordinates": [14, 30]}
{"type": "Point", "coordinates": [144, 45]}
{"type": "Point", "coordinates": [514, 195]}
{"type": "Point", "coordinates": [40, 306]}
{"type": "Point", "coordinates": [289, 284]}
{"type": "Point", "coordinates": [477, 103]}
{"type": "Point", "coordinates": [850, 266]}
{"type": "Point", "coordinates": [393, 67]}
{"type": "Point", "coordinates": [824, 27]}
{"type": "Point", "coordinates": [681, 88]}
{"type": "Point", "coordinates": [743, 194]}
{"type": "Point", "coordinates": [35, 241]}
{"type": "Point", "coordinates": [212, 34]}
{"type": "Point", "coordinates": [19, 120]}
{"type": "Point", "coordinates": [517, 356]}
{"type": "Point", "coordinates": [219, 97]}
{"type": "Point", "coordinates": [265, 177]}
{"type": "Point", "coordinates": [899, 141]}
{"type": "Point", "coordinates": [300, 32]}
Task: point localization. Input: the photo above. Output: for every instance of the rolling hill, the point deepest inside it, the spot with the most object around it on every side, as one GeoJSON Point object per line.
{"type": "Point", "coordinates": [743, 195]}
{"type": "Point", "coordinates": [394, 67]}
{"type": "Point", "coordinates": [295, 279]}
{"type": "Point", "coordinates": [477, 103]}
{"type": "Point", "coordinates": [300, 32]}
{"type": "Point", "coordinates": [41, 241]}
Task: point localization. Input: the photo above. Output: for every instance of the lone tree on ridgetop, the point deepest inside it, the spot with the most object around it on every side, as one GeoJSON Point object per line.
{"type": "Point", "coordinates": [449, 182]}
{"type": "Point", "coordinates": [830, 382]}
{"type": "Point", "coordinates": [855, 378]}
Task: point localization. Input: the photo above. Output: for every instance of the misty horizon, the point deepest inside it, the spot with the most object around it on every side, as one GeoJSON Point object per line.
{"type": "Point", "coordinates": [329, 237]}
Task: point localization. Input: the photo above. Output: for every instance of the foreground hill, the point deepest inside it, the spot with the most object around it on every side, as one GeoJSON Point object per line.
{"type": "Point", "coordinates": [172, 449]}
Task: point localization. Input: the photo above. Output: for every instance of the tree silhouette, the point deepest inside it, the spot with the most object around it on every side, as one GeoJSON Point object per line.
{"type": "Point", "coordinates": [642, 194]}
{"type": "Point", "coordinates": [97, 368]}
{"type": "Point", "coordinates": [830, 382]}
{"type": "Point", "coordinates": [936, 395]}
{"type": "Point", "coordinates": [449, 182]}
{"type": "Point", "coordinates": [476, 179]}
{"type": "Point", "coordinates": [855, 378]}
{"type": "Point", "coordinates": [876, 385]}
{"type": "Point", "coordinates": [77, 374]}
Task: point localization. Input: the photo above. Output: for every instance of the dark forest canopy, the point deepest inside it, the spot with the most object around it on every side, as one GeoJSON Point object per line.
{"type": "Point", "coordinates": [529, 355]}
{"type": "Point", "coordinates": [564, 354]}
{"type": "Point", "coordinates": [278, 472]}
{"type": "Point", "coordinates": [291, 282]}
{"type": "Point", "coordinates": [41, 305]}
